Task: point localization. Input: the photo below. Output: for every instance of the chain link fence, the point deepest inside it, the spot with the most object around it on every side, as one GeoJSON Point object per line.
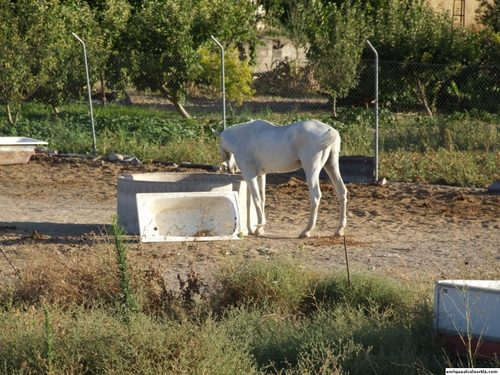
{"type": "Point", "coordinates": [287, 87]}
{"type": "Point", "coordinates": [291, 89]}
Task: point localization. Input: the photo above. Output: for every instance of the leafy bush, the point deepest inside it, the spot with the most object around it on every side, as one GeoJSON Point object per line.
{"type": "Point", "coordinates": [284, 285]}
{"type": "Point", "coordinates": [238, 74]}
{"type": "Point", "coordinates": [374, 323]}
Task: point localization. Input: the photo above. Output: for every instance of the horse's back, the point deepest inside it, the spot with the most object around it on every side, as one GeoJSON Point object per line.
{"type": "Point", "coordinates": [253, 126]}
{"type": "Point", "coordinates": [309, 133]}
{"type": "Point", "coordinates": [317, 133]}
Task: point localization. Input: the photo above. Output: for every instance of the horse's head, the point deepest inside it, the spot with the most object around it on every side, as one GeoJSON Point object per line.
{"type": "Point", "coordinates": [227, 156]}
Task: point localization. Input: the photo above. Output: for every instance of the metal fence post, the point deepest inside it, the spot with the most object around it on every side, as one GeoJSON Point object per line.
{"type": "Point", "coordinates": [376, 108]}
{"type": "Point", "coordinates": [88, 91]}
{"type": "Point", "coordinates": [223, 80]}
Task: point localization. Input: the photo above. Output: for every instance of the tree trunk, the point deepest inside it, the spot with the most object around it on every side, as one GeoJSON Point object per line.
{"type": "Point", "coordinates": [334, 98]}
{"type": "Point", "coordinates": [103, 91]}
{"type": "Point", "coordinates": [423, 98]}
{"type": "Point", "coordinates": [12, 120]}
{"type": "Point", "coordinates": [180, 108]}
{"type": "Point", "coordinates": [175, 102]}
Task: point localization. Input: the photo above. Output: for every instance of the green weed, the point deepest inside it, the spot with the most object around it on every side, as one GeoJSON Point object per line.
{"type": "Point", "coordinates": [126, 302]}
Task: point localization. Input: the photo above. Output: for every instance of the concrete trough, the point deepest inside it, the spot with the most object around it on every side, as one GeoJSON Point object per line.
{"type": "Point", "coordinates": [194, 216]}
{"type": "Point", "coordinates": [176, 182]}
{"type": "Point", "coordinates": [17, 150]}
{"type": "Point", "coordinates": [494, 188]}
{"type": "Point", "coordinates": [355, 169]}
{"type": "Point", "coordinates": [468, 307]}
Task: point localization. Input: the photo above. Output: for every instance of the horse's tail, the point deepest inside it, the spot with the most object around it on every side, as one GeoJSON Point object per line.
{"type": "Point", "coordinates": [331, 138]}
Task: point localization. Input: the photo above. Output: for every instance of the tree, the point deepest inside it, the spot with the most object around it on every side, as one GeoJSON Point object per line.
{"type": "Point", "coordinates": [417, 36]}
{"type": "Point", "coordinates": [66, 77]}
{"type": "Point", "coordinates": [162, 40]}
{"type": "Point", "coordinates": [41, 60]}
{"type": "Point", "coordinates": [159, 46]}
{"type": "Point", "coordinates": [488, 14]}
{"type": "Point", "coordinates": [29, 31]}
{"type": "Point", "coordinates": [337, 37]}
{"type": "Point", "coordinates": [296, 25]}
{"type": "Point", "coordinates": [112, 17]}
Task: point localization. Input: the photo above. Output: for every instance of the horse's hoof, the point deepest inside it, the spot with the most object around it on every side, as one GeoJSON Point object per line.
{"type": "Point", "coordinates": [259, 231]}
{"type": "Point", "coordinates": [339, 233]}
{"type": "Point", "coordinates": [305, 235]}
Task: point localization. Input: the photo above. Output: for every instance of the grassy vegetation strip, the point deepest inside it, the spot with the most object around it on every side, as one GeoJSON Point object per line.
{"type": "Point", "coordinates": [458, 149]}
{"type": "Point", "coordinates": [459, 168]}
{"type": "Point", "coordinates": [272, 316]}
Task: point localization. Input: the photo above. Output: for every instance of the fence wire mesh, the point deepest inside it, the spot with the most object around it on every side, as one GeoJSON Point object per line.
{"type": "Point", "coordinates": [429, 89]}
{"type": "Point", "coordinates": [293, 89]}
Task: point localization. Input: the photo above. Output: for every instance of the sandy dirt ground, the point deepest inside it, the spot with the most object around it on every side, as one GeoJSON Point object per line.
{"type": "Point", "coordinates": [57, 208]}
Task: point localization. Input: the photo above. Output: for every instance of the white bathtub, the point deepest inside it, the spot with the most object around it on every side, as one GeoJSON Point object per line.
{"type": "Point", "coordinates": [468, 308]}
{"type": "Point", "coordinates": [17, 150]}
{"type": "Point", "coordinates": [189, 216]}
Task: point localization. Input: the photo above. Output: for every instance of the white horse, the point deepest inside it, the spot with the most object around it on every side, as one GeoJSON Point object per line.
{"type": "Point", "coordinates": [259, 147]}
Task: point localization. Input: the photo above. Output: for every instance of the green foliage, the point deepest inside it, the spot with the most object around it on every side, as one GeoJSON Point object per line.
{"type": "Point", "coordinates": [356, 129]}
{"type": "Point", "coordinates": [412, 31]}
{"type": "Point", "coordinates": [160, 48]}
{"type": "Point", "coordinates": [238, 74]}
{"type": "Point", "coordinates": [30, 32]}
{"type": "Point", "coordinates": [154, 45]}
{"type": "Point", "coordinates": [444, 167]}
{"type": "Point", "coordinates": [488, 13]}
{"type": "Point", "coordinates": [200, 151]}
{"type": "Point", "coordinates": [232, 22]}
{"type": "Point", "coordinates": [162, 39]}
{"type": "Point", "coordinates": [49, 340]}
{"type": "Point", "coordinates": [283, 285]}
{"type": "Point", "coordinates": [414, 34]}
{"type": "Point", "coordinates": [44, 61]}
{"type": "Point", "coordinates": [459, 149]}
{"type": "Point", "coordinates": [147, 137]}
{"type": "Point", "coordinates": [93, 341]}
{"type": "Point", "coordinates": [296, 23]}
{"type": "Point", "coordinates": [457, 132]}
{"type": "Point", "coordinates": [336, 36]}
{"type": "Point", "coordinates": [346, 329]}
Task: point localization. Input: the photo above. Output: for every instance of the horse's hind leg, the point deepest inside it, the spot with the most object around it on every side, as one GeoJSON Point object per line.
{"type": "Point", "coordinates": [332, 168]}
{"type": "Point", "coordinates": [312, 169]}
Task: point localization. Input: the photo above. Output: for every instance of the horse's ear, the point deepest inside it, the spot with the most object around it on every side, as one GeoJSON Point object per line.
{"type": "Point", "coordinates": [216, 133]}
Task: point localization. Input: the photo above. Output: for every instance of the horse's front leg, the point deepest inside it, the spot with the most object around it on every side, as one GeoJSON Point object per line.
{"type": "Point", "coordinates": [253, 185]}
{"type": "Point", "coordinates": [261, 182]}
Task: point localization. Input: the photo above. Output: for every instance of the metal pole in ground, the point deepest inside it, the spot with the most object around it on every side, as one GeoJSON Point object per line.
{"type": "Point", "coordinates": [347, 263]}
{"type": "Point", "coordinates": [223, 80]}
{"type": "Point", "coordinates": [376, 108]}
{"type": "Point", "coordinates": [88, 91]}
